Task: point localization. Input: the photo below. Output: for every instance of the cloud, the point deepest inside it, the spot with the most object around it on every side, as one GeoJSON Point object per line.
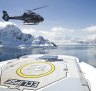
{"type": "Point", "coordinates": [59, 35]}
{"type": "Point", "coordinates": [91, 37]}
{"type": "Point", "coordinates": [4, 24]}
{"type": "Point", "coordinates": [55, 34]}
{"type": "Point", "coordinates": [59, 29]}
{"type": "Point", "coordinates": [34, 32]}
{"type": "Point", "coordinates": [90, 29]}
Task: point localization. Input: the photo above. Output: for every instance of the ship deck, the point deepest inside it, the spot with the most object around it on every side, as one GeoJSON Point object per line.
{"type": "Point", "coordinates": [42, 73]}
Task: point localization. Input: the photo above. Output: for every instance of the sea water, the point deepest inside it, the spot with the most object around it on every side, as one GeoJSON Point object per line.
{"type": "Point", "coordinates": [86, 53]}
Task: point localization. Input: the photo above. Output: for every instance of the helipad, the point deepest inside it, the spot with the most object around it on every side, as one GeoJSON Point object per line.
{"type": "Point", "coordinates": [35, 69]}
{"type": "Point", "coordinates": [32, 74]}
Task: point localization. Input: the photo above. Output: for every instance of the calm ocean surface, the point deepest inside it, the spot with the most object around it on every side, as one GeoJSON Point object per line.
{"type": "Point", "coordinates": [83, 52]}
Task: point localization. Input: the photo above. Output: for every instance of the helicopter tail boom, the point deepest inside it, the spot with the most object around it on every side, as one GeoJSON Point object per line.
{"type": "Point", "coordinates": [5, 16]}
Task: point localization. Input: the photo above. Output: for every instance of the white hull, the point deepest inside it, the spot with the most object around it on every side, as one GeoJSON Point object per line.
{"type": "Point", "coordinates": [90, 74]}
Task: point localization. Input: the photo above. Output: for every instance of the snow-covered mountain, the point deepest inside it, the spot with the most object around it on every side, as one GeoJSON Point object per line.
{"type": "Point", "coordinates": [12, 36]}
{"type": "Point", "coordinates": [40, 42]}
{"type": "Point", "coordinates": [79, 42]}
{"type": "Point", "coordinates": [90, 40]}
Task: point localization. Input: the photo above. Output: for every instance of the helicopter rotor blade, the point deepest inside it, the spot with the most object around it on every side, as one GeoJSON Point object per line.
{"type": "Point", "coordinates": [40, 7]}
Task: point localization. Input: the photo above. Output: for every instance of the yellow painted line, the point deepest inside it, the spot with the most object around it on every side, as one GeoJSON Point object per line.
{"type": "Point", "coordinates": [35, 76]}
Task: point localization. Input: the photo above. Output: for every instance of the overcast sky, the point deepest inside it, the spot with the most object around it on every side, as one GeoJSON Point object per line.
{"type": "Point", "coordinates": [64, 19]}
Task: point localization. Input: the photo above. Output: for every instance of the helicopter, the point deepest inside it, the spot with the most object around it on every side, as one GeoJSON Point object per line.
{"type": "Point", "coordinates": [29, 17]}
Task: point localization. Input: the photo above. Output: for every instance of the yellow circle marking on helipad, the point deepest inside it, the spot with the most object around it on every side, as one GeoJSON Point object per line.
{"type": "Point", "coordinates": [38, 75]}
